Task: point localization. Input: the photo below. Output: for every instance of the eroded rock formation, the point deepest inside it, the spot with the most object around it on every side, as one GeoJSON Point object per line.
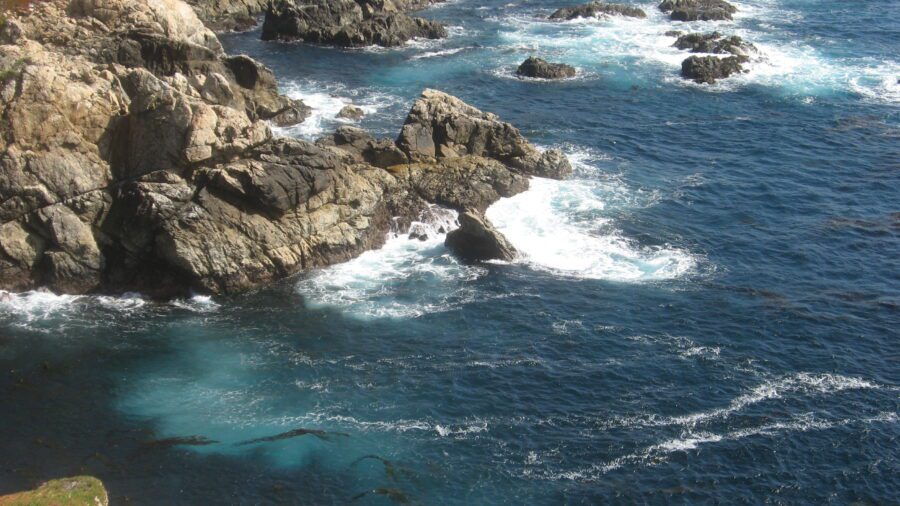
{"type": "Point", "coordinates": [476, 239]}
{"type": "Point", "coordinates": [709, 69]}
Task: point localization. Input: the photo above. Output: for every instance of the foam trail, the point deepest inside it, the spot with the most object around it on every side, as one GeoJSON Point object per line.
{"type": "Point", "coordinates": [405, 278]}
{"type": "Point", "coordinates": [559, 227]}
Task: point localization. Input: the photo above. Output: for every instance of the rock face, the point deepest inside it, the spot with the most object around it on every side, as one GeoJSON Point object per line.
{"type": "Point", "coordinates": [715, 43]}
{"type": "Point", "coordinates": [348, 23]}
{"type": "Point", "coordinates": [597, 9]}
{"type": "Point", "coordinates": [77, 491]}
{"type": "Point", "coordinates": [708, 69]}
{"type": "Point", "coordinates": [476, 239]}
{"type": "Point", "coordinates": [440, 126]}
{"type": "Point", "coordinates": [542, 69]}
{"type": "Point", "coordinates": [698, 10]}
{"type": "Point", "coordinates": [134, 158]}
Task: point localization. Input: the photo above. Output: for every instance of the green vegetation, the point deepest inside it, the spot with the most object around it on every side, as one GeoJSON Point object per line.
{"type": "Point", "coordinates": [13, 71]}
{"type": "Point", "coordinates": [77, 491]}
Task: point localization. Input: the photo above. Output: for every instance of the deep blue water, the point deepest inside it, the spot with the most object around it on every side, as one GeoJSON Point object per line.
{"type": "Point", "coordinates": [708, 311]}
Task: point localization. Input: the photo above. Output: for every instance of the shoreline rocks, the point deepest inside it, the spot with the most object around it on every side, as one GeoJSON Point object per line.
{"type": "Point", "coordinates": [135, 158]}
{"type": "Point", "coordinates": [477, 240]}
{"type": "Point", "coordinates": [538, 68]}
{"type": "Point", "coordinates": [597, 9]}
{"type": "Point", "coordinates": [348, 23]}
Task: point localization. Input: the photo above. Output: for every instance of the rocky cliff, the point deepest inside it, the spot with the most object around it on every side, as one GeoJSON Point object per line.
{"type": "Point", "coordinates": [136, 156]}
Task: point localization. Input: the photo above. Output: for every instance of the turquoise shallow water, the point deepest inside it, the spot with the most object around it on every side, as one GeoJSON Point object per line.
{"type": "Point", "coordinates": [708, 310]}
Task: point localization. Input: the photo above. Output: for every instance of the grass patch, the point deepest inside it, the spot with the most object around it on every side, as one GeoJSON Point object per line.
{"type": "Point", "coordinates": [77, 491]}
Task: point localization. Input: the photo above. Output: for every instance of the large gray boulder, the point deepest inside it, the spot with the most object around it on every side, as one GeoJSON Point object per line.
{"type": "Point", "coordinates": [347, 23]}
{"type": "Point", "coordinates": [441, 126]}
{"type": "Point", "coordinates": [597, 9]}
{"type": "Point", "coordinates": [476, 240]}
{"type": "Point", "coordinates": [538, 68]}
{"type": "Point", "coordinates": [709, 69]}
{"type": "Point", "coordinates": [698, 10]}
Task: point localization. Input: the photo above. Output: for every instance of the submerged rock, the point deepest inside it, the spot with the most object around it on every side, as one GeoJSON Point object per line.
{"type": "Point", "coordinates": [597, 9]}
{"type": "Point", "coordinates": [476, 239]}
{"type": "Point", "coordinates": [708, 69]}
{"type": "Point", "coordinates": [347, 23]}
{"type": "Point", "coordinates": [715, 43]}
{"type": "Point", "coordinates": [542, 69]}
{"type": "Point", "coordinates": [698, 10]}
{"type": "Point", "coordinates": [76, 491]}
{"type": "Point", "coordinates": [441, 126]}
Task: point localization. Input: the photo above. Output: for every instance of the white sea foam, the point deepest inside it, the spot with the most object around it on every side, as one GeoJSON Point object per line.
{"type": "Point", "coordinates": [326, 101]}
{"type": "Point", "coordinates": [559, 227]}
{"type": "Point", "coordinates": [689, 441]}
{"type": "Point", "coordinates": [407, 277]}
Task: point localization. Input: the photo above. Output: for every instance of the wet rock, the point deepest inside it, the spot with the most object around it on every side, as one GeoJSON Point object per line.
{"type": "Point", "coordinates": [715, 43]}
{"type": "Point", "coordinates": [709, 69]}
{"type": "Point", "coordinates": [348, 23]}
{"type": "Point", "coordinates": [440, 126]}
{"type": "Point", "coordinates": [597, 9]}
{"type": "Point", "coordinates": [541, 69]}
{"type": "Point", "coordinates": [476, 239]}
{"type": "Point", "coordinates": [698, 10]}
{"type": "Point", "coordinates": [351, 112]}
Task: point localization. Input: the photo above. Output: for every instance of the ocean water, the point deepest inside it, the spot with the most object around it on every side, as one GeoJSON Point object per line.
{"type": "Point", "coordinates": [707, 311]}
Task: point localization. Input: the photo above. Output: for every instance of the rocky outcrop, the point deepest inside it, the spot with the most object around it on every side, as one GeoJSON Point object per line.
{"type": "Point", "coordinates": [698, 10]}
{"type": "Point", "coordinates": [715, 42]}
{"type": "Point", "coordinates": [76, 491]}
{"type": "Point", "coordinates": [147, 175]}
{"type": "Point", "coordinates": [348, 23]}
{"type": "Point", "coordinates": [709, 69]}
{"type": "Point", "coordinates": [476, 240]}
{"type": "Point", "coordinates": [441, 126]}
{"type": "Point", "coordinates": [541, 69]}
{"type": "Point", "coordinates": [166, 38]}
{"type": "Point", "coordinates": [229, 15]}
{"type": "Point", "coordinates": [597, 9]}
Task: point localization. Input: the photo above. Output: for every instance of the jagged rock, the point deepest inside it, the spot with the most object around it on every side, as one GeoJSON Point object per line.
{"type": "Point", "coordinates": [597, 9]}
{"type": "Point", "coordinates": [714, 43]}
{"type": "Point", "coordinates": [698, 10]}
{"type": "Point", "coordinates": [541, 69]}
{"type": "Point", "coordinates": [476, 239]}
{"type": "Point", "coordinates": [708, 69]}
{"type": "Point", "coordinates": [674, 33]}
{"type": "Point", "coordinates": [440, 126]}
{"type": "Point", "coordinates": [362, 147]}
{"type": "Point", "coordinates": [165, 37]}
{"type": "Point", "coordinates": [351, 112]}
{"type": "Point", "coordinates": [346, 23]}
